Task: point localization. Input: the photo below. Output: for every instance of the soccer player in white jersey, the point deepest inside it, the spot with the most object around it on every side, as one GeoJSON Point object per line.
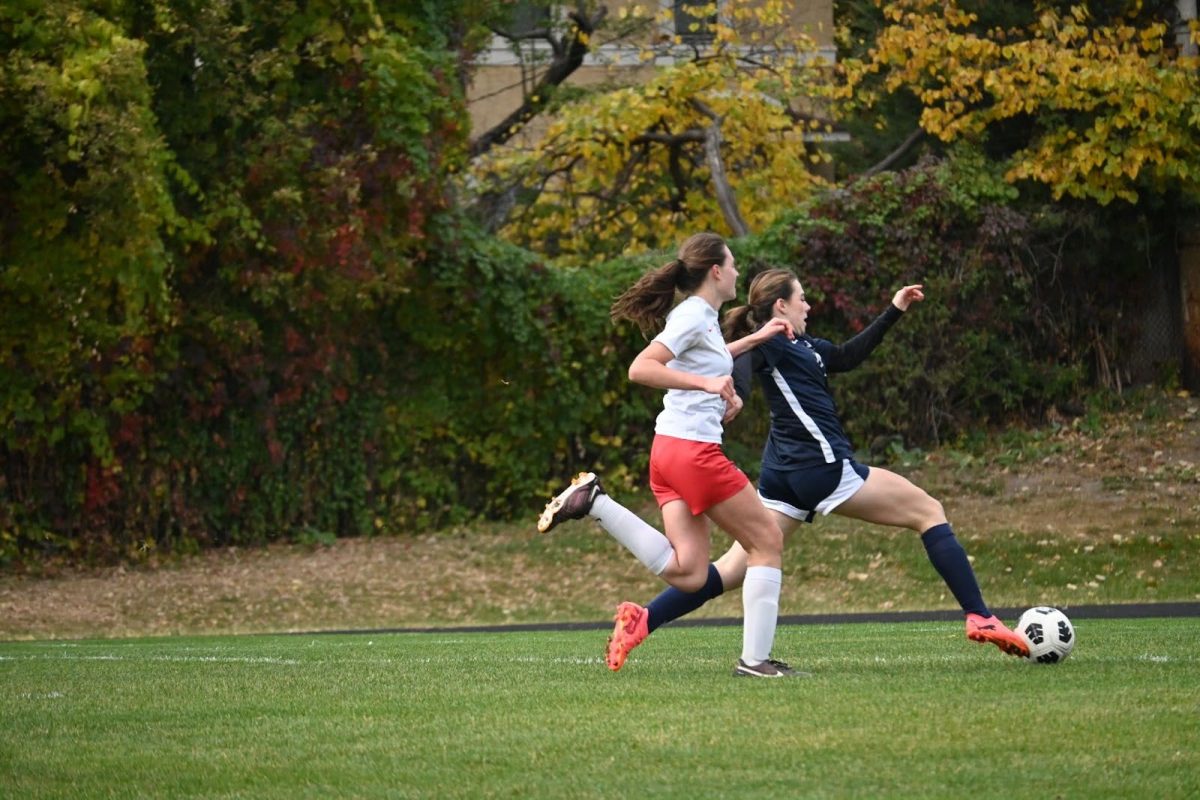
{"type": "Point", "coordinates": [808, 465]}
{"type": "Point", "coordinates": [691, 477]}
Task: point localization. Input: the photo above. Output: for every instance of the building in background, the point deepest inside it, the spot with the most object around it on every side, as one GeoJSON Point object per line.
{"type": "Point", "coordinates": [509, 70]}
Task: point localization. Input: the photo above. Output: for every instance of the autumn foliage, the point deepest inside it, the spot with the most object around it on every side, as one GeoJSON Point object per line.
{"type": "Point", "coordinates": [211, 214]}
{"type": "Point", "coordinates": [241, 302]}
{"type": "Point", "coordinates": [642, 161]}
{"type": "Point", "coordinates": [1112, 106]}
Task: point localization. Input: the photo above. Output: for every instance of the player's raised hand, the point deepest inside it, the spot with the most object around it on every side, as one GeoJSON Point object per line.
{"type": "Point", "coordinates": [907, 296]}
{"type": "Point", "coordinates": [773, 326]}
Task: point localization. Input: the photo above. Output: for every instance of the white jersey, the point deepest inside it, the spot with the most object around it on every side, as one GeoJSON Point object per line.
{"type": "Point", "coordinates": [693, 335]}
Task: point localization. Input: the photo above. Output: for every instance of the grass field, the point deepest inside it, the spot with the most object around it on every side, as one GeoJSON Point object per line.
{"type": "Point", "coordinates": [900, 710]}
{"type": "Point", "coordinates": [1104, 510]}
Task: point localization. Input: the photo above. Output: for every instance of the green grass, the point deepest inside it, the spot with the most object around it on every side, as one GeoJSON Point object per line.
{"type": "Point", "coordinates": [900, 710]}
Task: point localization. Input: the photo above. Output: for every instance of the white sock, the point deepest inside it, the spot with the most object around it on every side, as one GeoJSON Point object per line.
{"type": "Point", "coordinates": [760, 607]}
{"type": "Point", "coordinates": [651, 547]}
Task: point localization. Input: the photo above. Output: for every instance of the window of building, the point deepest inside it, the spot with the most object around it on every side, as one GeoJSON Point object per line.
{"type": "Point", "coordinates": [692, 23]}
{"type": "Point", "coordinates": [528, 16]}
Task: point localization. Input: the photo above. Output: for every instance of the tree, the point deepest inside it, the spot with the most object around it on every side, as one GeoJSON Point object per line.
{"type": "Point", "coordinates": [84, 261]}
{"type": "Point", "coordinates": [214, 215]}
{"type": "Point", "coordinates": [568, 47]}
{"type": "Point", "coordinates": [1108, 109]}
{"type": "Point", "coordinates": [1097, 102]}
{"type": "Point", "coordinates": [714, 140]}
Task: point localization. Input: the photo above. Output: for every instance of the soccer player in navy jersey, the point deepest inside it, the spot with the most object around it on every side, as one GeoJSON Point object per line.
{"type": "Point", "coordinates": [691, 477]}
{"type": "Point", "coordinates": [808, 464]}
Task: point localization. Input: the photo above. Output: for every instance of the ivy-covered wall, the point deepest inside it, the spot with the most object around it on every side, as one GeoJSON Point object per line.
{"type": "Point", "coordinates": [239, 304]}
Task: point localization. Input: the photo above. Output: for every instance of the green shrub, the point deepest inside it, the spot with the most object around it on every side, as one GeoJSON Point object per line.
{"type": "Point", "coordinates": [972, 354]}
{"type": "Point", "coordinates": [240, 305]}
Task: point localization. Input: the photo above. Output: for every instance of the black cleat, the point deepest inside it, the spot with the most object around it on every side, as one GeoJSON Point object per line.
{"type": "Point", "coordinates": [771, 668]}
{"type": "Point", "coordinates": [574, 502]}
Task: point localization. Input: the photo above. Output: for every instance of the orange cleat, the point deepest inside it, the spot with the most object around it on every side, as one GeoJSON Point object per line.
{"type": "Point", "coordinates": [990, 629]}
{"type": "Point", "coordinates": [630, 630]}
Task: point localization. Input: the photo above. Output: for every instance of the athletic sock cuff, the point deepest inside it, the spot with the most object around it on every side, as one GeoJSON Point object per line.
{"type": "Point", "coordinates": [762, 573]}
{"type": "Point", "coordinates": [659, 564]}
{"type": "Point", "coordinates": [714, 586]}
{"type": "Point", "coordinates": [936, 534]}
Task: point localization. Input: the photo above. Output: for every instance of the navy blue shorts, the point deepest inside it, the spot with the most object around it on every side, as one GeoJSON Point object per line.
{"type": "Point", "coordinates": [800, 494]}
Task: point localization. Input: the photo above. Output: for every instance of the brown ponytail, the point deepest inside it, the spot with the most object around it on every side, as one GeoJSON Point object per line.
{"type": "Point", "coordinates": [738, 322]}
{"type": "Point", "coordinates": [648, 301]}
{"type": "Point", "coordinates": [765, 289]}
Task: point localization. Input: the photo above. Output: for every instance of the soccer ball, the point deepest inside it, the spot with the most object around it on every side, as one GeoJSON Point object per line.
{"type": "Point", "coordinates": [1049, 634]}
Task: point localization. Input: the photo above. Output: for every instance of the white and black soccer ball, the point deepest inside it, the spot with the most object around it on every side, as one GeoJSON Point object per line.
{"type": "Point", "coordinates": [1049, 634]}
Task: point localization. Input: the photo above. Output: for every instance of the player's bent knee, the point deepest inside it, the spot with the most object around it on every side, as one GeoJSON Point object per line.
{"type": "Point", "coordinates": [920, 513]}
{"type": "Point", "coordinates": [690, 581]}
{"type": "Point", "coordinates": [764, 540]}
{"type": "Point", "coordinates": [938, 510]}
{"type": "Point", "coordinates": [933, 513]}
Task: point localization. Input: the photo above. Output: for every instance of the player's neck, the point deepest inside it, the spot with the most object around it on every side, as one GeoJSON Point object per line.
{"type": "Point", "coordinates": [708, 293]}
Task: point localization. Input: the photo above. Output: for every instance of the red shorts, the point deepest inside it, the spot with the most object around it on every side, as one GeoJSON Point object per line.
{"type": "Point", "coordinates": [699, 473]}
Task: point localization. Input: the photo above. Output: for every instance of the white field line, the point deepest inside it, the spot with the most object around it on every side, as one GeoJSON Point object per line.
{"type": "Point", "coordinates": [181, 659]}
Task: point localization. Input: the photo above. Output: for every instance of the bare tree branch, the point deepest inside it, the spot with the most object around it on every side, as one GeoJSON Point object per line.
{"type": "Point", "coordinates": [726, 199]}
{"type": "Point", "coordinates": [622, 178]}
{"type": "Point", "coordinates": [896, 154]}
{"type": "Point", "coordinates": [693, 135]}
{"type": "Point", "coordinates": [567, 59]}
{"type": "Point", "coordinates": [533, 33]}
{"type": "Point", "coordinates": [678, 178]}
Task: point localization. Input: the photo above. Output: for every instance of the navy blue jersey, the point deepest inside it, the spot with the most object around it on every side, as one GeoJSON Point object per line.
{"type": "Point", "coordinates": [806, 430]}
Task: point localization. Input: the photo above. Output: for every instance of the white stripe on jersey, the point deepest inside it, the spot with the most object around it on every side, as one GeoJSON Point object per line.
{"type": "Point", "coordinates": [782, 383]}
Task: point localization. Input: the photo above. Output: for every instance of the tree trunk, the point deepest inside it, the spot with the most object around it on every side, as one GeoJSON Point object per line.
{"type": "Point", "coordinates": [726, 199]}
{"type": "Point", "coordinates": [1189, 244]}
{"type": "Point", "coordinates": [1189, 290]}
{"type": "Point", "coordinates": [568, 57]}
{"type": "Point", "coordinates": [725, 196]}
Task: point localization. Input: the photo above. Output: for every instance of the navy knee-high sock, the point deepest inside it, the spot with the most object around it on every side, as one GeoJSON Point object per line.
{"type": "Point", "coordinates": [950, 560]}
{"type": "Point", "coordinates": [673, 604]}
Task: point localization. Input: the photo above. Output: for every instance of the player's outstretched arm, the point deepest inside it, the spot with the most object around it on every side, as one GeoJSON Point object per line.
{"type": "Point", "coordinates": [854, 351]}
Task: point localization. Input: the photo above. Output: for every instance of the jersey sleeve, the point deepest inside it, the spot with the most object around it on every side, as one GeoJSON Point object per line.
{"type": "Point", "coordinates": [744, 367]}
{"type": "Point", "coordinates": [680, 333]}
{"type": "Point", "coordinates": [848, 355]}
